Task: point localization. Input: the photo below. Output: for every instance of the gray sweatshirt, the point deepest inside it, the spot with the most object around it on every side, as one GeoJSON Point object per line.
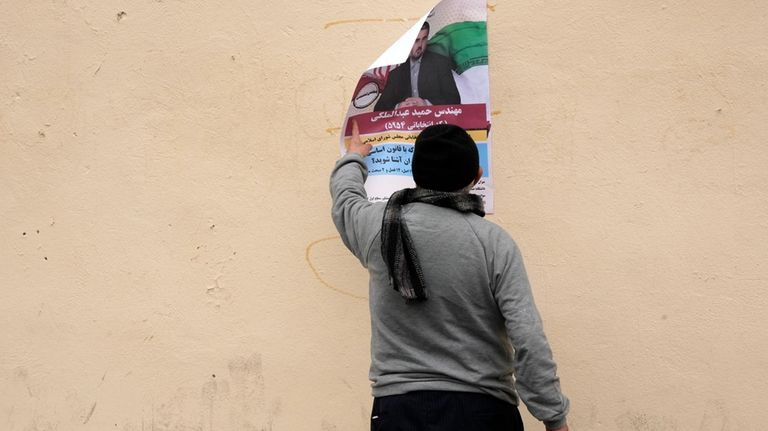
{"type": "Point", "coordinates": [479, 330]}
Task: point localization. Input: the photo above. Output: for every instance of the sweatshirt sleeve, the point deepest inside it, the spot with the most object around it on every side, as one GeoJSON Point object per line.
{"type": "Point", "coordinates": [355, 218]}
{"type": "Point", "coordinates": [536, 377]}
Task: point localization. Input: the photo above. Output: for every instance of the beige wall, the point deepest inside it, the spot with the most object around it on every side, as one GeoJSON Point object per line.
{"type": "Point", "coordinates": [166, 261]}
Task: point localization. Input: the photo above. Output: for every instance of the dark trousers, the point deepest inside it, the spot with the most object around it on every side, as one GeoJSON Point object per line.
{"type": "Point", "coordinates": [444, 411]}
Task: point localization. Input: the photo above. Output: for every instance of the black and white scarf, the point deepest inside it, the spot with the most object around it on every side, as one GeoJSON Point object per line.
{"type": "Point", "coordinates": [397, 248]}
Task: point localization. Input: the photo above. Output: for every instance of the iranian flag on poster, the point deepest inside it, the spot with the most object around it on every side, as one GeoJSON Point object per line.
{"type": "Point", "coordinates": [436, 73]}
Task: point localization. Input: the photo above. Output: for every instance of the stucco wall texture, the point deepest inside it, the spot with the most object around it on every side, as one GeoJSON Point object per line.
{"type": "Point", "coordinates": [168, 261]}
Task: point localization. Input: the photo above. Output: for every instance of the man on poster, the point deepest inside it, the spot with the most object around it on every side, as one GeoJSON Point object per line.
{"type": "Point", "coordinates": [424, 79]}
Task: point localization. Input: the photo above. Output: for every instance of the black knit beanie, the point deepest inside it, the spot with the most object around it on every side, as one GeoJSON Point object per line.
{"type": "Point", "coordinates": [445, 158]}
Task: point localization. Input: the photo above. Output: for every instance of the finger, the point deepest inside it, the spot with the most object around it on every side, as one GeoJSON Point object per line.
{"type": "Point", "coordinates": [355, 132]}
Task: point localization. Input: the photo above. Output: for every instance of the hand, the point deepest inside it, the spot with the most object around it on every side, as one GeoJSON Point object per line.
{"type": "Point", "coordinates": [412, 101]}
{"type": "Point", "coordinates": [356, 144]}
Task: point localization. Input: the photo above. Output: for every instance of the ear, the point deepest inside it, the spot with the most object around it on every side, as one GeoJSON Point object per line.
{"type": "Point", "coordinates": [479, 175]}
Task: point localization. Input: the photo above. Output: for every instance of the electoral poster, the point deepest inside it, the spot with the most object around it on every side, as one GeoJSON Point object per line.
{"type": "Point", "coordinates": [436, 73]}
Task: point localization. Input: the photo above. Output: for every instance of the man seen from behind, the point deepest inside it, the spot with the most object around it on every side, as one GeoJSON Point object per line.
{"type": "Point", "coordinates": [456, 340]}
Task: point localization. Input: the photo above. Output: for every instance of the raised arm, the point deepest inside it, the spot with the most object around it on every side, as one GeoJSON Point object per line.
{"type": "Point", "coordinates": [355, 218]}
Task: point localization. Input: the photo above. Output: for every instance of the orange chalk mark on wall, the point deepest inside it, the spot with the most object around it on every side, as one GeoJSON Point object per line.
{"type": "Point", "coordinates": [318, 276]}
{"type": "Point", "coordinates": [491, 7]}
{"type": "Point", "coordinates": [362, 20]}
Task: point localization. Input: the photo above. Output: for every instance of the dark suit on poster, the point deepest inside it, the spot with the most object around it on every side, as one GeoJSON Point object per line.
{"type": "Point", "coordinates": [436, 83]}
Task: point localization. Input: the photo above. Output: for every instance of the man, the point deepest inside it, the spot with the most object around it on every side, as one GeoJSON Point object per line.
{"type": "Point", "coordinates": [449, 297]}
{"type": "Point", "coordinates": [424, 79]}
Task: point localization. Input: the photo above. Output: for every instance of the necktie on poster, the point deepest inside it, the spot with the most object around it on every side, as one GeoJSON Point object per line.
{"type": "Point", "coordinates": [436, 73]}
